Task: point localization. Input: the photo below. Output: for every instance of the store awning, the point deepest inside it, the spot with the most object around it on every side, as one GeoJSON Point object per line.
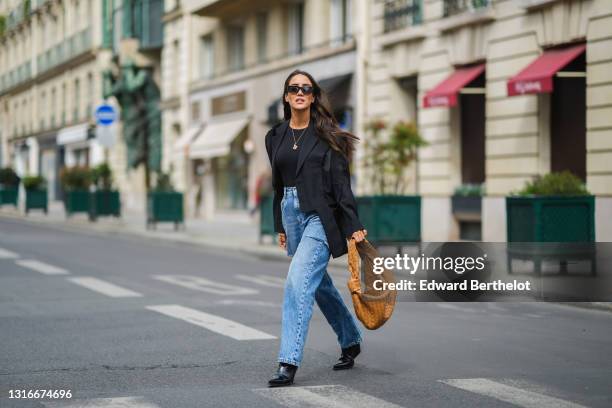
{"type": "Point", "coordinates": [216, 138]}
{"type": "Point", "coordinates": [537, 77]}
{"type": "Point", "coordinates": [445, 94]}
{"type": "Point", "coordinates": [72, 134]}
{"type": "Point", "coordinates": [185, 140]}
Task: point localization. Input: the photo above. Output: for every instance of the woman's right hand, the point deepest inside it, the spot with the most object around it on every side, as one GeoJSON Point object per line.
{"type": "Point", "coordinates": [282, 240]}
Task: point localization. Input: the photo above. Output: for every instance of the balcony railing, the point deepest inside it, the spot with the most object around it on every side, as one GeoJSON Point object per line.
{"type": "Point", "coordinates": [16, 76]}
{"type": "Point", "coordinates": [400, 14]}
{"type": "Point", "coordinates": [73, 46]}
{"type": "Point", "coordinates": [454, 7]}
{"type": "Point", "coordinates": [333, 43]}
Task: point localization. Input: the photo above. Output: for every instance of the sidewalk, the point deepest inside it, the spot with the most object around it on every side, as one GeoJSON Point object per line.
{"type": "Point", "coordinates": [226, 232]}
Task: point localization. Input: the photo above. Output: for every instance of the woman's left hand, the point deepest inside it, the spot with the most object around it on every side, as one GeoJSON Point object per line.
{"type": "Point", "coordinates": [359, 236]}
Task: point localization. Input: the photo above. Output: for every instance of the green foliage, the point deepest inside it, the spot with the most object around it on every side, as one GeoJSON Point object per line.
{"type": "Point", "coordinates": [76, 178]}
{"type": "Point", "coordinates": [164, 183]}
{"type": "Point", "coordinates": [8, 177]}
{"type": "Point", "coordinates": [562, 183]}
{"type": "Point", "coordinates": [388, 157]}
{"type": "Point", "coordinates": [470, 190]}
{"type": "Point", "coordinates": [2, 24]}
{"type": "Point", "coordinates": [27, 8]}
{"type": "Point", "coordinates": [33, 182]}
{"type": "Point", "coordinates": [102, 176]}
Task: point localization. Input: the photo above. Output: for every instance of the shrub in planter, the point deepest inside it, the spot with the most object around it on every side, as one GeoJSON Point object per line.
{"type": "Point", "coordinates": [104, 201]}
{"type": "Point", "coordinates": [164, 204]}
{"type": "Point", "coordinates": [389, 214]}
{"type": "Point", "coordinates": [555, 208]}
{"type": "Point", "coordinates": [9, 186]}
{"type": "Point", "coordinates": [76, 182]}
{"type": "Point", "coordinates": [36, 193]}
{"type": "Point", "coordinates": [467, 199]}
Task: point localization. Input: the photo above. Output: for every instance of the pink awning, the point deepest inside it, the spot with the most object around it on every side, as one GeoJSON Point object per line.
{"type": "Point", "coordinates": [445, 94]}
{"type": "Point", "coordinates": [537, 77]}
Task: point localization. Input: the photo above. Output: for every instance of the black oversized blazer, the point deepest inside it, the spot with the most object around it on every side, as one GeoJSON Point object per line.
{"type": "Point", "coordinates": [323, 184]}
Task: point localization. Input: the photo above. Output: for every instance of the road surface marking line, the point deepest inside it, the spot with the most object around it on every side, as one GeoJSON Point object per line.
{"type": "Point", "coordinates": [103, 287]}
{"type": "Point", "coordinates": [121, 402]}
{"type": "Point", "coordinates": [205, 285]}
{"type": "Point", "coordinates": [41, 267]}
{"type": "Point", "coordinates": [264, 280]}
{"type": "Point", "coordinates": [242, 302]}
{"type": "Point", "coordinates": [506, 393]}
{"type": "Point", "coordinates": [322, 396]}
{"type": "Point", "coordinates": [211, 322]}
{"type": "Point", "coordinates": [6, 254]}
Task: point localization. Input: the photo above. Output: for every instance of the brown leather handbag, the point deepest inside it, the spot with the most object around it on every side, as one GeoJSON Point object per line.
{"type": "Point", "coordinates": [372, 307]}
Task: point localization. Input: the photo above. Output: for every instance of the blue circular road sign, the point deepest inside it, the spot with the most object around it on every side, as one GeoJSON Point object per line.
{"type": "Point", "coordinates": [105, 115]}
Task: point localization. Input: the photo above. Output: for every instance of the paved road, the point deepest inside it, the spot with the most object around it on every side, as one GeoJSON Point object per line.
{"type": "Point", "coordinates": [126, 322]}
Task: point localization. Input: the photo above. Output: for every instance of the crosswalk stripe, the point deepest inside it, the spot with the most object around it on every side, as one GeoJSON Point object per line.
{"type": "Point", "coordinates": [506, 393]}
{"type": "Point", "coordinates": [41, 267]}
{"type": "Point", "coordinates": [206, 285]}
{"type": "Point", "coordinates": [211, 322]}
{"type": "Point", "coordinates": [323, 396]}
{"type": "Point", "coordinates": [264, 280]}
{"type": "Point", "coordinates": [6, 254]}
{"type": "Point", "coordinates": [120, 402]}
{"type": "Point", "coordinates": [103, 287]}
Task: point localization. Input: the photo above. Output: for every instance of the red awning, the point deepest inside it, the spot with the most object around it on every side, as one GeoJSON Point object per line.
{"type": "Point", "coordinates": [537, 76]}
{"type": "Point", "coordinates": [445, 94]}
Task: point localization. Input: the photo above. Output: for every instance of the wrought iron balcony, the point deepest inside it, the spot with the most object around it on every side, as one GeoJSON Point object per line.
{"type": "Point", "coordinates": [454, 7]}
{"type": "Point", "coordinates": [400, 14]}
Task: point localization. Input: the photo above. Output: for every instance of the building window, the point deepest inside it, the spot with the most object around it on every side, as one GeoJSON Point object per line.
{"type": "Point", "coordinates": [90, 94]}
{"type": "Point", "coordinates": [400, 14]}
{"type": "Point", "coordinates": [43, 110]}
{"type": "Point", "coordinates": [296, 28]}
{"type": "Point", "coordinates": [235, 42]}
{"type": "Point", "coordinates": [340, 20]}
{"type": "Point", "coordinates": [53, 107]}
{"type": "Point", "coordinates": [64, 98]}
{"type": "Point", "coordinates": [195, 111]}
{"type": "Point", "coordinates": [77, 100]}
{"type": "Point", "coordinates": [262, 34]}
{"type": "Point", "coordinates": [453, 7]}
{"type": "Point", "coordinates": [207, 57]}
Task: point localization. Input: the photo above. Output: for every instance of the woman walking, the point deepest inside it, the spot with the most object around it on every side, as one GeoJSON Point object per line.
{"type": "Point", "coordinates": [314, 214]}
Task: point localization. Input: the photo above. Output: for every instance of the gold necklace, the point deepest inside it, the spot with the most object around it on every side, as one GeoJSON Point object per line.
{"type": "Point", "coordinates": [295, 146]}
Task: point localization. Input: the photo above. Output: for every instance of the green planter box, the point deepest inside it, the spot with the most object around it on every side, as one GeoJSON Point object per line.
{"type": "Point", "coordinates": [567, 223]}
{"type": "Point", "coordinates": [164, 206]}
{"type": "Point", "coordinates": [550, 219]}
{"type": "Point", "coordinates": [76, 201]}
{"type": "Point", "coordinates": [390, 218]}
{"type": "Point", "coordinates": [36, 199]}
{"type": "Point", "coordinates": [266, 217]}
{"type": "Point", "coordinates": [8, 196]}
{"type": "Point", "coordinates": [104, 203]}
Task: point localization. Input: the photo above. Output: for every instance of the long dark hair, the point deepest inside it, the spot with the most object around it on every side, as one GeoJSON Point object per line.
{"type": "Point", "coordinates": [325, 122]}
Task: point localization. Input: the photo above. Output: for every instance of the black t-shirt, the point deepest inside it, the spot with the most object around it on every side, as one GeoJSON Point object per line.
{"type": "Point", "coordinates": [287, 158]}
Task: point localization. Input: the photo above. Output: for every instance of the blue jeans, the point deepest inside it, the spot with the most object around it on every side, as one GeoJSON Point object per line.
{"type": "Point", "coordinates": [307, 281]}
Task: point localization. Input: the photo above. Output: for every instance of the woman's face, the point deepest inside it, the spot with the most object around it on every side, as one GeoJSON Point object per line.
{"type": "Point", "coordinates": [297, 98]}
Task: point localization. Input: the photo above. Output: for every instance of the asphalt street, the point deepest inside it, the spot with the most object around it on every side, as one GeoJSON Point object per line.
{"type": "Point", "coordinates": [130, 322]}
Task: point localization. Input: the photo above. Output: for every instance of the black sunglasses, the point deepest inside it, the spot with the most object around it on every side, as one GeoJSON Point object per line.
{"type": "Point", "coordinates": [294, 89]}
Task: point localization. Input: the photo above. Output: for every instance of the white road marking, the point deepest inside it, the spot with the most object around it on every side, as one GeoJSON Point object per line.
{"type": "Point", "coordinates": [248, 302]}
{"type": "Point", "coordinates": [206, 285]}
{"type": "Point", "coordinates": [41, 267]}
{"type": "Point", "coordinates": [506, 393]}
{"type": "Point", "coordinates": [103, 287]}
{"type": "Point", "coordinates": [264, 280]}
{"type": "Point", "coordinates": [121, 402]}
{"type": "Point", "coordinates": [322, 396]}
{"type": "Point", "coordinates": [211, 322]}
{"type": "Point", "coordinates": [6, 254]}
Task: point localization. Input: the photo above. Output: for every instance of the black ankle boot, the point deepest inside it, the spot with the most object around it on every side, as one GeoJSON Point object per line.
{"type": "Point", "coordinates": [284, 375]}
{"type": "Point", "coordinates": [347, 359]}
